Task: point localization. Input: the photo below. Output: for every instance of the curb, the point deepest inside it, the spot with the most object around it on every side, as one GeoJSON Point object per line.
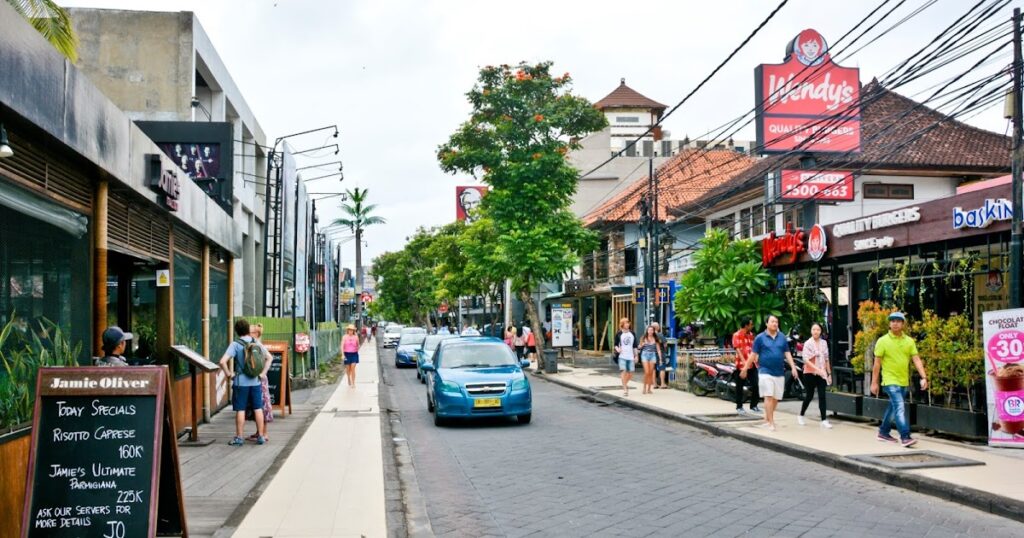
{"type": "Point", "coordinates": [981, 500]}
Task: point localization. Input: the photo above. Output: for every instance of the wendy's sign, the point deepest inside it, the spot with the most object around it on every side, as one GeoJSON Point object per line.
{"type": "Point", "coordinates": [791, 243]}
{"type": "Point", "coordinates": [807, 103]}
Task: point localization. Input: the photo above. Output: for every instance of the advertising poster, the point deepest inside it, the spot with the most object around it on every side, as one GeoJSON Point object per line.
{"type": "Point", "coordinates": [561, 326]}
{"type": "Point", "coordinates": [1004, 376]}
{"type": "Point", "coordinates": [467, 200]}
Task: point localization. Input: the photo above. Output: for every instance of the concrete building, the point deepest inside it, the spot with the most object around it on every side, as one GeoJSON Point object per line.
{"type": "Point", "coordinates": [162, 70]}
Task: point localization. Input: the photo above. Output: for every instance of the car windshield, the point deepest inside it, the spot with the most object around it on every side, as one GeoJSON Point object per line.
{"type": "Point", "coordinates": [434, 340]}
{"type": "Point", "coordinates": [393, 330]}
{"type": "Point", "coordinates": [411, 339]}
{"type": "Point", "coordinates": [476, 356]}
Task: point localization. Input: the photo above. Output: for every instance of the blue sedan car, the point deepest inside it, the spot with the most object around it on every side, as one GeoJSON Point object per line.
{"type": "Point", "coordinates": [408, 345]}
{"type": "Point", "coordinates": [426, 352]}
{"type": "Point", "coordinates": [474, 377]}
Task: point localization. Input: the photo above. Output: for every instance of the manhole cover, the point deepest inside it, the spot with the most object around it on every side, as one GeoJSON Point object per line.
{"type": "Point", "coordinates": [726, 417]}
{"type": "Point", "coordinates": [923, 459]}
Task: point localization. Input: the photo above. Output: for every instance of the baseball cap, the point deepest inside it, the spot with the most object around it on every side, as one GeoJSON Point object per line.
{"type": "Point", "coordinates": [114, 336]}
{"type": "Point", "coordinates": [897, 315]}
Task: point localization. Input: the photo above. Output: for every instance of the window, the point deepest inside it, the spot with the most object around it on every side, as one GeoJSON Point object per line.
{"type": "Point", "coordinates": [724, 223]}
{"type": "Point", "coordinates": [794, 217]}
{"type": "Point", "coordinates": [630, 148]}
{"type": "Point", "coordinates": [757, 215]}
{"type": "Point", "coordinates": [666, 148]}
{"type": "Point", "coordinates": [631, 258]}
{"type": "Point", "coordinates": [648, 148]}
{"type": "Point", "coordinates": [627, 119]}
{"type": "Point", "coordinates": [889, 191]}
{"type": "Point", "coordinates": [220, 325]}
{"type": "Point", "coordinates": [188, 307]}
{"type": "Point", "coordinates": [745, 222]}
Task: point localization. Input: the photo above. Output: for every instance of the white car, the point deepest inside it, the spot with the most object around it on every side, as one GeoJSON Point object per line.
{"type": "Point", "coordinates": [391, 334]}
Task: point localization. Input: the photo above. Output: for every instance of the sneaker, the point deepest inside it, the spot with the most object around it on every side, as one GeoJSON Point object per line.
{"type": "Point", "coordinates": [908, 442]}
{"type": "Point", "coordinates": [741, 412]}
{"type": "Point", "coordinates": [887, 438]}
{"type": "Point", "coordinates": [800, 420]}
{"type": "Point", "coordinates": [237, 441]}
{"type": "Point", "coordinates": [755, 409]}
{"type": "Point", "coordinates": [260, 440]}
{"type": "Point", "coordinates": [826, 424]}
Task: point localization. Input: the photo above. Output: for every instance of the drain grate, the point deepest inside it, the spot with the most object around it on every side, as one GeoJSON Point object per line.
{"type": "Point", "coordinates": [726, 417]}
{"type": "Point", "coordinates": [340, 413]}
{"type": "Point", "coordinates": [602, 400]}
{"type": "Point", "coordinates": [923, 459]}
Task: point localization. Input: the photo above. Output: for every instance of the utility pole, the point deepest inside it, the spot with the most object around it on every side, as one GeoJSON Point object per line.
{"type": "Point", "coordinates": [1015, 236]}
{"type": "Point", "coordinates": [655, 242]}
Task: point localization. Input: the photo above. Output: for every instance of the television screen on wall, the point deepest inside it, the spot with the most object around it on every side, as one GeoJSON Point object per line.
{"type": "Point", "coordinates": [203, 150]}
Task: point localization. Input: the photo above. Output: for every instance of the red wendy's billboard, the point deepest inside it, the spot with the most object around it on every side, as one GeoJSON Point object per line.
{"type": "Point", "coordinates": [820, 185]}
{"type": "Point", "coordinates": [807, 103]}
{"type": "Point", "coordinates": [467, 201]}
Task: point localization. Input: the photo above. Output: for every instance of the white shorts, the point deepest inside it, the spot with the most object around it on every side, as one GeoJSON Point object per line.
{"type": "Point", "coordinates": [771, 386]}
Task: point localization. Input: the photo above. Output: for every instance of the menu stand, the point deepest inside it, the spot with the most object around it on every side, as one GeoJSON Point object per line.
{"type": "Point", "coordinates": [195, 362]}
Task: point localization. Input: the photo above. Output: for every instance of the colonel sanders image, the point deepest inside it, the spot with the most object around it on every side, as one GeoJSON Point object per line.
{"type": "Point", "coordinates": [469, 202]}
{"type": "Point", "coordinates": [809, 48]}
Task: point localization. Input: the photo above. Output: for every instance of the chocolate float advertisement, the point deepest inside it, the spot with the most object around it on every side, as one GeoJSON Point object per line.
{"type": "Point", "coordinates": [1004, 376]}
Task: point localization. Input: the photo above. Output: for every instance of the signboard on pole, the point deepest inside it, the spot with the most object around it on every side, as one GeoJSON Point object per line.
{"type": "Point", "coordinates": [1004, 376]}
{"type": "Point", "coordinates": [561, 325]}
{"type": "Point", "coordinates": [818, 185]}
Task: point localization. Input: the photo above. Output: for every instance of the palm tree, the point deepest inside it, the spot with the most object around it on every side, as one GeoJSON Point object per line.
{"type": "Point", "coordinates": [358, 219]}
{"type": "Point", "coordinates": [52, 21]}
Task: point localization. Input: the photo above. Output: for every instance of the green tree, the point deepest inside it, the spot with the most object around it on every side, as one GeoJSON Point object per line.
{"type": "Point", "coordinates": [522, 124]}
{"type": "Point", "coordinates": [52, 21]}
{"type": "Point", "coordinates": [359, 217]}
{"type": "Point", "coordinates": [394, 288]}
{"type": "Point", "coordinates": [726, 285]}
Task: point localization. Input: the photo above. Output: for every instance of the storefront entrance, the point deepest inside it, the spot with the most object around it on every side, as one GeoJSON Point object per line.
{"type": "Point", "coordinates": [131, 303]}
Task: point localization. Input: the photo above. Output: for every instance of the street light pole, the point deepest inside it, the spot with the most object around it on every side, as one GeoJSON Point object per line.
{"type": "Point", "coordinates": [1016, 244]}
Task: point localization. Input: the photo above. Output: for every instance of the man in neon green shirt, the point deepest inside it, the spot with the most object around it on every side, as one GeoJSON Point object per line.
{"type": "Point", "coordinates": [893, 353]}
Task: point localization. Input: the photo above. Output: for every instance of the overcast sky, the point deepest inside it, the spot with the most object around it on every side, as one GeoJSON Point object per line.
{"type": "Point", "coordinates": [393, 74]}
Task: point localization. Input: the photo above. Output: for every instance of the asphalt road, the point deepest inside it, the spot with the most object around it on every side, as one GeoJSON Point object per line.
{"type": "Point", "coordinates": [585, 469]}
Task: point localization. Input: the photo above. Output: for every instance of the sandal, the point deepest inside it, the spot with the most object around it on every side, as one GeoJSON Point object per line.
{"type": "Point", "coordinates": [237, 441]}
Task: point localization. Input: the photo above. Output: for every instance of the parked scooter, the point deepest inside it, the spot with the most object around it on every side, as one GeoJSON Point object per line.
{"type": "Point", "coordinates": [704, 379]}
{"type": "Point", "coordinates": [794, 388]}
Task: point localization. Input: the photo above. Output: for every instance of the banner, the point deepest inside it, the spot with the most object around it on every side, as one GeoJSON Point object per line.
{"type": "Point", "coordinates": [1004, 376]}
{"type": "Point", "coordinates": [467, 201]}
{"type": "Point", "coordinates": [807, 103]}
{"type": "Point", "coordinates": [561, 326]}
{"type": "Point", "coordinates": [819, 185]}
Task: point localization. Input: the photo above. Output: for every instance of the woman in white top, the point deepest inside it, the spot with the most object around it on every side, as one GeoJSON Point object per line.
{"type": "Point", "coordinates": [817, 374]}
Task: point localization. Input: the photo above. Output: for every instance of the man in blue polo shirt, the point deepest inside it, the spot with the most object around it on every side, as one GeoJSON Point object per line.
{"type": "Point", "coordinates": [770, 352]}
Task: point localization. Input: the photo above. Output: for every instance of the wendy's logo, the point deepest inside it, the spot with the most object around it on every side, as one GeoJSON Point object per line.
{"type": "Point", "coordinates": [809, 47]}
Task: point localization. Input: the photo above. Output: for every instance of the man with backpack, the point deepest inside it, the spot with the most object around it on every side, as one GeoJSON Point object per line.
{"type": "Point", "coordinates": [246, 391]}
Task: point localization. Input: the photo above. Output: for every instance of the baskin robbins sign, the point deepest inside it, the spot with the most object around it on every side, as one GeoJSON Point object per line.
{"type": "Point", "coordinates": [808, 102]}
{"type": "Point", "coordinates": [981, 217]}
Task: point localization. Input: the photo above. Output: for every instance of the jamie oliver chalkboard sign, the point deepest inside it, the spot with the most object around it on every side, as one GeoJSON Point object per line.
{"type": "Point", "coordinates": [103, 460]}
{"type": "Point", "coordinates": [277, 376]}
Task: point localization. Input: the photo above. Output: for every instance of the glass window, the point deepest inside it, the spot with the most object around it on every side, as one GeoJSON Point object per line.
{"type": "Point", "coordinates": [745, 222]}
{"type": "Point", "coordinates": [757, 214]}
{"type": "Point", "coordinates": [889, 191]}
{"type": "Point", "coordinates": [220, 323]}
{"type": "Point", "coordinates": [45, 307]}
{"type": "Point", "coordinates": [627, 119]}
{"type": "Point", "coordinates": [188, 307]}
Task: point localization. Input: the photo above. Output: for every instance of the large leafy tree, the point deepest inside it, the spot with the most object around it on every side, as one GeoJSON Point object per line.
{"type": "Point", "coordinates": [726, 285]}
{"type": "Point", "coordinates": [394, 288]}
{"type": "Point", "coordinates": [522, 124]}
{"type": "Point", "coordinates": [359, 215]}
{"type": "Point", "coordinates": [52, 21]}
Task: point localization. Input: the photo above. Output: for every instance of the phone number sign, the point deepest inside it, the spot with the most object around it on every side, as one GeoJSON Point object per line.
{"type": "Point", "coordinates": [823, 185]}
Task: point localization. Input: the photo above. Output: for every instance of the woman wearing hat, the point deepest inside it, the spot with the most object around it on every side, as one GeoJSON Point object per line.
{"type": "Point", "coordinates": [350, 347]}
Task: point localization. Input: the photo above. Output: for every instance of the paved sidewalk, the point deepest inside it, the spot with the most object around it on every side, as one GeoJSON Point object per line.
{"type": "Point", "coordinates": [332, 484]}
{"type": "Point", "coordinates": [987, 487]}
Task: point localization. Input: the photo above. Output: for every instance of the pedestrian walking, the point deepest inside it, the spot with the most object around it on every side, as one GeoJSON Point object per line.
{"type": "Point", "coordinates": [625, 353]}
{"type": "Point", "coordinates": [350, 348]}
{"type": "Point", "coordinates": [519, 342]}
{"type": "Point", "coordinates": [114, 343]}
{"type": "Point", "coordinates": [743, 343]}
{"type": "Point", "coordinates": [664, 364]}
{"type": "Point", "coordinates": [650, 353]}
{"type": "Point", "coordinates": [893, 353]}
{"type": "Point", "coordinates": [246, 390]}
{"type": "Point", "coordinates": [256, 332]}
{"type": "Point", "coordinates": [510, 336]}
{"type": "Point", "coordinates": [817, 374]}
{"type": "Point", "coordinates": [531, 344]}
{"type": "Point", "coordinates": [771, 352]}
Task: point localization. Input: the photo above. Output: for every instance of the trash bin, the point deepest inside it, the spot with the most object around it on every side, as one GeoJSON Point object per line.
{"type": "Point", "coordinates": [672, 348]}
{"type": "Point", "coordinates": [550, 361]}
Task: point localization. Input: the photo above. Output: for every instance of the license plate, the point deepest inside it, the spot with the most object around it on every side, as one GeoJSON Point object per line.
{"type": "Point", "coordinates": [487, 402]}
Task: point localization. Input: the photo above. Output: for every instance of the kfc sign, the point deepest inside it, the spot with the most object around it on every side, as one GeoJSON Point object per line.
{"type": "Point", "coordinates": [817, 185]}
{"type": "Point", "coordinates": [791, 243]}
{"type": "Point", "coordinates": [467, 202]}
{"type": "Point", "coordinates": [807, 103]}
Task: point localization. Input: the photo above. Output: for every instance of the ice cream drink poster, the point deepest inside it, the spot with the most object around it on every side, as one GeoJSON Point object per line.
{"type": "Point", "coordinates": [1003, 337]}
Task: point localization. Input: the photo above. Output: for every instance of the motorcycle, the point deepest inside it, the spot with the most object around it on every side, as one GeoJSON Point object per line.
{"type": "Point", "coordinates": [704, 379]}
{"type": "Point", "coordinates": [794, 387]}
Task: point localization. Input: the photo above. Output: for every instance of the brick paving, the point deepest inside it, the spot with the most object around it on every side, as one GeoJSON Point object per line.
{"type": "Point", "coordinates": [585, 470]}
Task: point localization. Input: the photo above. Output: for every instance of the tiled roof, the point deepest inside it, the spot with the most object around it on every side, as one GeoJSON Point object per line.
{"type": "Point", "coordinates": [626, 97]}
{"type": "Point", "coordinates": [889, 120]}
{"type": "Point", "coordinates": [685, 177]}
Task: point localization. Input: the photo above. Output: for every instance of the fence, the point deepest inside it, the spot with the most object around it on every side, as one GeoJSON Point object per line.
{"type": "Point", "coordinates": [687, 356]}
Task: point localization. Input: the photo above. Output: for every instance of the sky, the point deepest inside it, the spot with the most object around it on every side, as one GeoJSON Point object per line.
{"type": "Point", "coordinates": [393, 74]}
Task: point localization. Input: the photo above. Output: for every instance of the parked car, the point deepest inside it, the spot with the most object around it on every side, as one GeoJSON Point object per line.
{"type": "Point", "coordinates": [425, 353]}
{"type": "Point", "coordinates": [408, 345]}
{"type": "Point", "coordinates": [477, 376]}
{"type": "Point", "coordinates": [391, 334]}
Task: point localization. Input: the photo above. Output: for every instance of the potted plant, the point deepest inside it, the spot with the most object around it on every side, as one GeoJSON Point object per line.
{"type": "Point", "coordinates": [955, 365]}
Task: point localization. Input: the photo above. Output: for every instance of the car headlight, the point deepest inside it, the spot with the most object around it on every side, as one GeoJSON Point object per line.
{"type": "Point", "coordinates": [520, 384]}
{"type": "Point", "coordinates": [451, 387]}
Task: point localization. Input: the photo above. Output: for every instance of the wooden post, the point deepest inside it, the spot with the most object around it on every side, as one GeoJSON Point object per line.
{"type": "Point", "coordinates": [99, 270]}
{"type": "Point", "coordinates": [206, 337]}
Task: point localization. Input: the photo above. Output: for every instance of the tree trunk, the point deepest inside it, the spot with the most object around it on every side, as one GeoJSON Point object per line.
{"type": "Point", "coordinates": [359, 281]}
{"type": "Point", "coordinates": [535, 325]}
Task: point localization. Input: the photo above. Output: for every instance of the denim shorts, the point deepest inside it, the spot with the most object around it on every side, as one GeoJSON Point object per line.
{"type": "Point", "coordinates": [626, 365]}
{"type": "Point", "coordinates": [351, 358]}
{"type": "Point", "coordinates": [243, 398]}
{"type": "Point", "coordinates": [648, 356]}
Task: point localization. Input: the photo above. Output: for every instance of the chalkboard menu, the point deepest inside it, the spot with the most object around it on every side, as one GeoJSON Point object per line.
{"type": "Point", "coordinates": [103, 459]}
{"type": "Point", "coordinates": [277, 375]}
